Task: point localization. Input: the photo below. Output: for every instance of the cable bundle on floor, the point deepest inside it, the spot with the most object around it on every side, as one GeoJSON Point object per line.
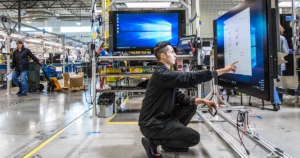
{"type": "Point", "coordinates": [242, 121]}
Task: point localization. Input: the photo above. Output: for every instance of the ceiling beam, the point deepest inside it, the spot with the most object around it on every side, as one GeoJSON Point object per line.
{"type": "Point", "coordinates": [67, 8]}
{"type": "Point", "coordinates": [15, 5]}
{"type": "Point", "coordinates": [33, 4]}
{"type": "Point", "coordinates": [3, 4]}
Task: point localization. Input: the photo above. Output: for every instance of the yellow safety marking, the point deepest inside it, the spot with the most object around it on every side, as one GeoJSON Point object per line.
{"type": "Point", "coordinates": [20, 101]}
{"type": "Point", "coordinates": [120, 123]}
{"type": "Point", "coordinates": [126, 100]}
{"type": "Point", "coordinates": [111, 118]}
{"type": "Point", "coordinates": [52, 137]}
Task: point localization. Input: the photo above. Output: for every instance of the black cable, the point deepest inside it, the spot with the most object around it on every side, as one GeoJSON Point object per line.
{"type": "Point", "coordinates": [230, 133]}
{"type": "Point", "coordinates": [93, 99]}
{"type": "Point", "coordinates": [93, 14]}
{"type": "Point", "coordinates": [240, 120]}
{"type": "Point", "coordinates": [235, 137]}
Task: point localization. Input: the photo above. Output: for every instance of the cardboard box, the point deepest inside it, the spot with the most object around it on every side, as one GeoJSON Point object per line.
{"type": "Point", "coordinates": [72, 80]}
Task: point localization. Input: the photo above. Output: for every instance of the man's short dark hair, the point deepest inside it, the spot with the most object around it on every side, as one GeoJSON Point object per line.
{"type": "Point", "coordinates": [160, 48]}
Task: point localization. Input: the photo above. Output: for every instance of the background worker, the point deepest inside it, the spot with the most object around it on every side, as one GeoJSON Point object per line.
{"type": "Point", "coordinates": [20, 66]}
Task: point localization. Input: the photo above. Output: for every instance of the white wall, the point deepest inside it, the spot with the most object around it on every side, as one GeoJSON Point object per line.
{"type": "Point", "coordinates": [209, 11]}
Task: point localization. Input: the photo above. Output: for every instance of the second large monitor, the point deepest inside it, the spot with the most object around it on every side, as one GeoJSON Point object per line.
{"type": "Point", "coordinates": [242, 35]}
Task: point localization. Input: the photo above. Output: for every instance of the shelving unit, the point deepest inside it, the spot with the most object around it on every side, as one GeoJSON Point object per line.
{"type": "Point", "coordinates": [126, 74]}
{"type": "Point", "coordinates": [133, 58]}
{"type": "Point", "coordinates": [140, 58]}
{"type": "Point", "coordinates": [123, 90]}
{"type": "Point", "coordinates": [2, 73]}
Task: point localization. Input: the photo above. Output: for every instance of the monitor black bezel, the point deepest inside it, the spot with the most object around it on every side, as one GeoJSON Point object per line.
{"type": "Point", "coordinates": [270, 55]}
{"type": "Point", "coordinates": [181, 31]}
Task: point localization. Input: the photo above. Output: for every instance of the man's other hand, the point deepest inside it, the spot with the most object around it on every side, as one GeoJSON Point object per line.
{"type": "Point", "coordinates": [210, 104]}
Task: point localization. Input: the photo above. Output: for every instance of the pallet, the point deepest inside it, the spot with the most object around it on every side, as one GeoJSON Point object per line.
{"type": "Point", "coordinates": [76, 88]}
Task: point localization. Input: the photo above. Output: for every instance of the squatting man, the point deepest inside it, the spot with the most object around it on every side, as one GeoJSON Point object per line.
{"type": "Point", "coordinates": [166, 111]}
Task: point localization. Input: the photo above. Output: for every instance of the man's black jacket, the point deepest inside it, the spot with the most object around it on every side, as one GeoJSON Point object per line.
{"type": "Point", "coordinates": [20, 59]}
{"type": "Point", "coordinates": [162, 94]}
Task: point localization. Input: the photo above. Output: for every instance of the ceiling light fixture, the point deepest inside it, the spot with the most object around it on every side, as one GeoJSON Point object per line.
{"type": "Point", "coordinates": [52, 43]}
{"type": "Point", "coordinates": [98, 11]}
{"type": "Point", "coordinates": [3, 33]}
{"type": "Point", "coordinates": [148, 5]}
{"type": "Point", "coordinates": [287, 4]}
{"type": "Point", "coordinates": [78, 23]}
{"type": "Point", "coordinates": [34, 40]}
{"type": "Point", "coordinates": [17, 35]}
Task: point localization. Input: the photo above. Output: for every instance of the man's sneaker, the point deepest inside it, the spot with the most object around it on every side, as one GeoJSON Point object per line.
{"type": "Point", "coordinates": [22, 94]}
{"type": "Point", "coordinates": [19, 92]}
{"type": "Point", "coordinates": [151, 152]}
{"type": "Point", "coordinates": [169, 149]}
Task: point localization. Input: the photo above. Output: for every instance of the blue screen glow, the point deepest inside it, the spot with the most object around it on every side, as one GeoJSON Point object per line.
{"type": "Point", "coordinates": [145, 30]}
{"type": "Point", "coordinates": [256, 80]}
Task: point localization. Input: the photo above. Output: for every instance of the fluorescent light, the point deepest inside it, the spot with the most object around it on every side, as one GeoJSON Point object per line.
{"type": "Point", "coordinates": [78, 23]}
{"type": "Point", "coordinates": [287, 4]}
{"type": "Point", "coordinates": [52, 43]}
{"type": "Point", "coordinates": [34, 40]}
{"type": "Point", "coordinates": [69, 47]}
{"type": "Point", "coordinates": [75, 29]}
{"type": "Point", "coordinates": [28, 22]}
{"type": "Point", "coordinates": [3, 33]}
{"type": "Point", "coordinates": [26, 29]}
{"type": "Point", "coordinates": [149, 5]}
{"type": "Point", "coordinates": [17, 35]}
{"type": "Point", "coordinates": [56, 14]}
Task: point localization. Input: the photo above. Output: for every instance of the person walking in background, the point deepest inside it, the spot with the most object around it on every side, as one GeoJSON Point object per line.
{"type": "Point", "coordinates": [20, 66]}
{"type": "Point", "coordinates": [284, 48]}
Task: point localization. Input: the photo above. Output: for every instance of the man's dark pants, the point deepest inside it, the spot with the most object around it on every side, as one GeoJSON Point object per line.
{"type": "Point", "coordinates": [175, 134]}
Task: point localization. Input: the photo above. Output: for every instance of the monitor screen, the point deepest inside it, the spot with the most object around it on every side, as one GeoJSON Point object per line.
{"type": "Point", "coordinates": [183, 44]}
{"type": "Point", "coordinates": [142, 30]}
{"type": "Point", "coordinates": [242, 36]}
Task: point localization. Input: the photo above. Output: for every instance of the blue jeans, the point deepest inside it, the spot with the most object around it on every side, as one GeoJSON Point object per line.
{"type": "Point", "coordinates": [276, 97]}
{"type": "Point", "coordinates": [23, 77]}
{"type": "Point", "coordinates": [281, 94]}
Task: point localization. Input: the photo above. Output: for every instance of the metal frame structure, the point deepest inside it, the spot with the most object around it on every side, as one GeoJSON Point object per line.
{"type": "Point", "coordinates": [272, 151]}
{"type": "Point", "coordinates": [38, 4]}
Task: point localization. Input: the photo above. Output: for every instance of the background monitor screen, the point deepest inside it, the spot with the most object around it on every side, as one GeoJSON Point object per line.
{"type": "Point", "coordinates": [184, 46]}
{"type": "Point", "coordinates": [144, 29]}
{"type": "Point", "coordinates": [242, 36]}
